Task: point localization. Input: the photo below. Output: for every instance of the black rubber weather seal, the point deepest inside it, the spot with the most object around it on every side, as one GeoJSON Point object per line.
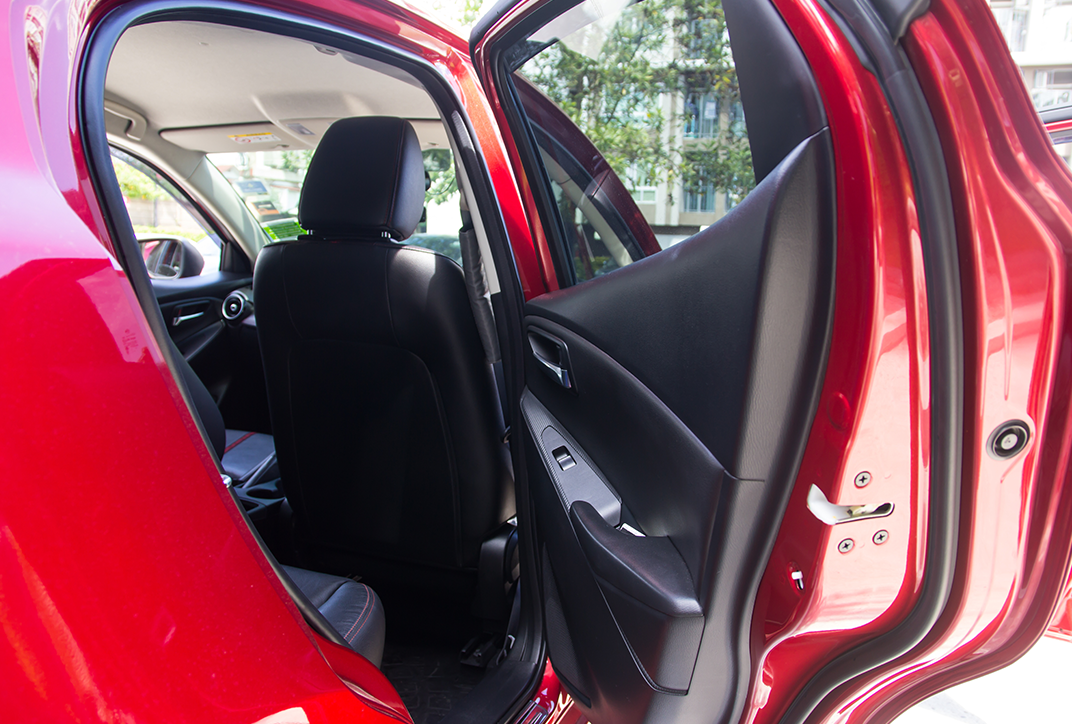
{"type": "Point", "coordinates": [897, 15]}
{"type": "Point", "coordinates": [528, 654]}
{"type": "Point", "coordinates": [945, 316]}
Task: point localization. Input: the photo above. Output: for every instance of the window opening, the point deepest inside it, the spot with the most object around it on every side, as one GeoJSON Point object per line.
{"type": "Point", "coordinates": [157, 208]}
{"type": "Point", "coordinates": [653, 87]}
{"type": "Point", "coordinates": [270, 183]}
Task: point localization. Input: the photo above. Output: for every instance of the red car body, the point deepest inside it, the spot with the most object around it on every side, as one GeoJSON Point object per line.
{"type": "Point", "coordinates": [123, 560]}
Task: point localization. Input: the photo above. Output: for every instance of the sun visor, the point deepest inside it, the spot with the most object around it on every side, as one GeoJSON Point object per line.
{"type": "Point", "coordinates": [291, 133]}
{"type": "Point", "coordinates": [238, 137]}
{"type": "Point", "coordinates": [430, 132]}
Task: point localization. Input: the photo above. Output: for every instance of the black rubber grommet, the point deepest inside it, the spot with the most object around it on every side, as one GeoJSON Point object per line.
{"type": "Point", "coordinates": [1008, 439]}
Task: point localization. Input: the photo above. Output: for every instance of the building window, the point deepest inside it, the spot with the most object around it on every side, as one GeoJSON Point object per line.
{"type": "Point", "coordinates": [737, 125]}
{"type": "Point", "coordinates": [642, 186]}
{"type": "Point", "coordinates": [701, 116]}
{"type": "Point", "coordinates": [1053, 88]}
{"type": "Point", "coordinates": [1013, 23]}
{"type": "Point", "coordinates": [701, 199]}
{"type": "Point", "coordinates": [645, 194]}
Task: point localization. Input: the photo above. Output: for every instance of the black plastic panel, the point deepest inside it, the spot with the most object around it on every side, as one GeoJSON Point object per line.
{"type": "Point", "coordinates": [782, 105]}
{"type": "Point", "coordinates": [717, 325]}
{"type": "Point", "coordinates": [899, 14]}
{"type": "Point", "coordinates": [694, 376]}
{"type": "Point", "coordinates": [213, 284]}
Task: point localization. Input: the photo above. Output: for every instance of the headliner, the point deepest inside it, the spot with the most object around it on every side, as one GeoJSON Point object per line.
{"type": "Point", "coordinates": [185, 77]}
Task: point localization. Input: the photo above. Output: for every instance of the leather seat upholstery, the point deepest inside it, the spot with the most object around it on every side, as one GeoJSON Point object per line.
{"type": "Point", "coordinates": [249, 454]}
{"type": "Point", "coordinates": [241, 453]}
{"type": "Point", "coordinates": [384, 408]}
{"type": "Point", "coordinates": [353, 609]}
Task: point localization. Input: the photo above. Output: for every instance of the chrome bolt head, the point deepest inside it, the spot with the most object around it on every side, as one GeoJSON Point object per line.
{"type": "Point", "coordinates": [846, 545]}
{"type": "Point", "coordinates": [862, 479]}
{"type": "Point", "coordinates": [881, 537]}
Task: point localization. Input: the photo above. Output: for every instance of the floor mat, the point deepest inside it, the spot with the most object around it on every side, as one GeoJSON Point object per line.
{"type": "Point", "coordinates": [430, 680]}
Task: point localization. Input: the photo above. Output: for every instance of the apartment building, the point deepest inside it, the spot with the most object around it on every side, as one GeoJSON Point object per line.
{"type": "Point", "coordinates": [1039, 36]}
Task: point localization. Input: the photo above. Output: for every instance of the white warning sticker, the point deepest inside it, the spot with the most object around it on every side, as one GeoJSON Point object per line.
{"type": "Point", "coordinates": [264, 137]}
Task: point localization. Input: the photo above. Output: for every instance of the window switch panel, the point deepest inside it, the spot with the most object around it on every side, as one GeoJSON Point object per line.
{"type": "Point", "coordinates": [563, 458]}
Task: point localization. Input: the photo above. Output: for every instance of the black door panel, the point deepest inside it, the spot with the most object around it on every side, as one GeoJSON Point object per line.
{"type": "Point", "coordinates": [693, 376]}
{"type": "Point", "coordinates": [688, 321]}
{"type": "Point", "coordinates": [214, 284]}
{"type": "Point", "coordinates": [652, 460]}
{"type": "Point", "coordinates": [225, 355]}
{"type": "Point", "coordinates": [193, 323]}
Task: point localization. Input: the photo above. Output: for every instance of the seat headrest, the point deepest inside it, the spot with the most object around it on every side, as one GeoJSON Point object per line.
{"type": "Point", "coordinates": [366, 178]}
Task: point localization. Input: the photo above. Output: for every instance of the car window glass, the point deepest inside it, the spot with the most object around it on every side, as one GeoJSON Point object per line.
{"type": "Point", "coordinates": [653, 88]}
{"type": "Point", "coordinates": [159, 211]}
{"type": "Point", "coordinates": [270, 183]}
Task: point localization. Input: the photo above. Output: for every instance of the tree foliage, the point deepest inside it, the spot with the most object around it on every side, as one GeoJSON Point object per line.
{"type": "Point", "coordinates": [296, 161]}
{"type": "Point", "coordinates": [634, 97]}
{"type": "Point", "coordinates": [134, 184]}
{"type": "Point", "coordinates": [439, 165]}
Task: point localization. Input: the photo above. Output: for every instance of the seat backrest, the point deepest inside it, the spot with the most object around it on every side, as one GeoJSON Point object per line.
{"type": "Point", "coordinates": [383, 404]}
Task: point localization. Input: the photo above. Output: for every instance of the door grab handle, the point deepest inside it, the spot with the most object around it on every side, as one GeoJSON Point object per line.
{"type": "Point", "coordinates": [832, 514]}
{"type": "Point", "coordinates": [551, 353]}
{"type": "Point", "coordinates": [180, 318]}
{"type": "Point", "coordinates": [560, 375]}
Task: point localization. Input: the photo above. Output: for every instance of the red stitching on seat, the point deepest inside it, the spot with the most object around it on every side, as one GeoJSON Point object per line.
{"type": "Point", "coordinates": [238, 442]}
{"type": "Point", "coordinates": [368, 600]}
{"type": "Point", "coordinates": [371, 594]}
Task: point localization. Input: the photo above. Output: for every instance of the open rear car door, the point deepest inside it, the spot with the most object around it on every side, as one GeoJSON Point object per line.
{"type": "Point", "coordinates": [791, 460]}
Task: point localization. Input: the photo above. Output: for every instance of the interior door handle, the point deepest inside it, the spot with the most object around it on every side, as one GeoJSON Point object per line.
{"type": "Point", "coordinates": [558, 374]}
{"type": "Point", "coordinates": [180, 318]}
{"type": "Point", "coordinates": [552, 356]}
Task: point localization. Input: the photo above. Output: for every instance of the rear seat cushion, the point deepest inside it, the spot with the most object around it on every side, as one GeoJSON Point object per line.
{"type": "Point", "coordinates": [244, 452]}
{"type": "Point", "coordinates": [351, 607]}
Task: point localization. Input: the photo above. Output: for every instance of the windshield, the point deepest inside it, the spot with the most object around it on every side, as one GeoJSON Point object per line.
{"type": "Point", "coordinates": [270, 183]}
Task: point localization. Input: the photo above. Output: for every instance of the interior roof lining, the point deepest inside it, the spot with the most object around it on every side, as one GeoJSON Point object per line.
{"type": "Point", "coordinates": [268, 79]}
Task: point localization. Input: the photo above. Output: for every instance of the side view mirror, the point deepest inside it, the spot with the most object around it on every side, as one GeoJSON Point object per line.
{"type": "Point", "coordinates": [171, 257]}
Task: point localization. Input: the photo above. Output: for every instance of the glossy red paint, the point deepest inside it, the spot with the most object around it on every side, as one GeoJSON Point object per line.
{"type": "Point", "coordinates": [483, 65]}
{"type": "Point", "coordinates": [133, 590]}
{"type": "Point", "coordinates": [873, 414]}
{"type": "Point", "coordinates": [1061, 623]}
{"type": "Point", "coordinates": [1014, 225]}
{"type": "Point", "coordinates": [166, 619]}
{"type": "Point", "coordinates": [875, 392]}
{"type": "Point", "coordinates": [547, 703]}
{"type": "Point", "coordinates": [1012, 372]}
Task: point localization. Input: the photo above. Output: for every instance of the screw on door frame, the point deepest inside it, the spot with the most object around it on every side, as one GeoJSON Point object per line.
{"type": "Point", "coordinates": [881, 537]}
{"type": "Point", "coordinates": [862, 479]}
{"type": "Point", "coordinates": [846, 545]}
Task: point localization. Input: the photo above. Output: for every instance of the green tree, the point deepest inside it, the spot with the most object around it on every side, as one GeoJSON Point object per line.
{"type": "Point", "coordinates": [637, 92]}
{"type": "Point", "coordinates": [134, 184]}
{"type": "Point", "coordinates": [439, 165]}
{"type": "Point", "coordinates": [296, 161]}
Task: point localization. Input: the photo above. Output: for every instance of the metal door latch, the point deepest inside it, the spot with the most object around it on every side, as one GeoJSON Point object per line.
{"type": "Point", "coordinates": [832, 514]}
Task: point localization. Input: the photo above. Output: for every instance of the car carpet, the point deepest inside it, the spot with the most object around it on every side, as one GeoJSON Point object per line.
{"type": "Point", "coordinates": [430, 680]}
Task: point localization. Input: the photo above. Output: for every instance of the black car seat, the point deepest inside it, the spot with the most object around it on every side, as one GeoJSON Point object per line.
{"type": "Point", "coordinates": [351, 608]}
{"type": "Point", "coordinates": [384, 407]}
{"type": "Point", "coordinates": [249, 457]}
